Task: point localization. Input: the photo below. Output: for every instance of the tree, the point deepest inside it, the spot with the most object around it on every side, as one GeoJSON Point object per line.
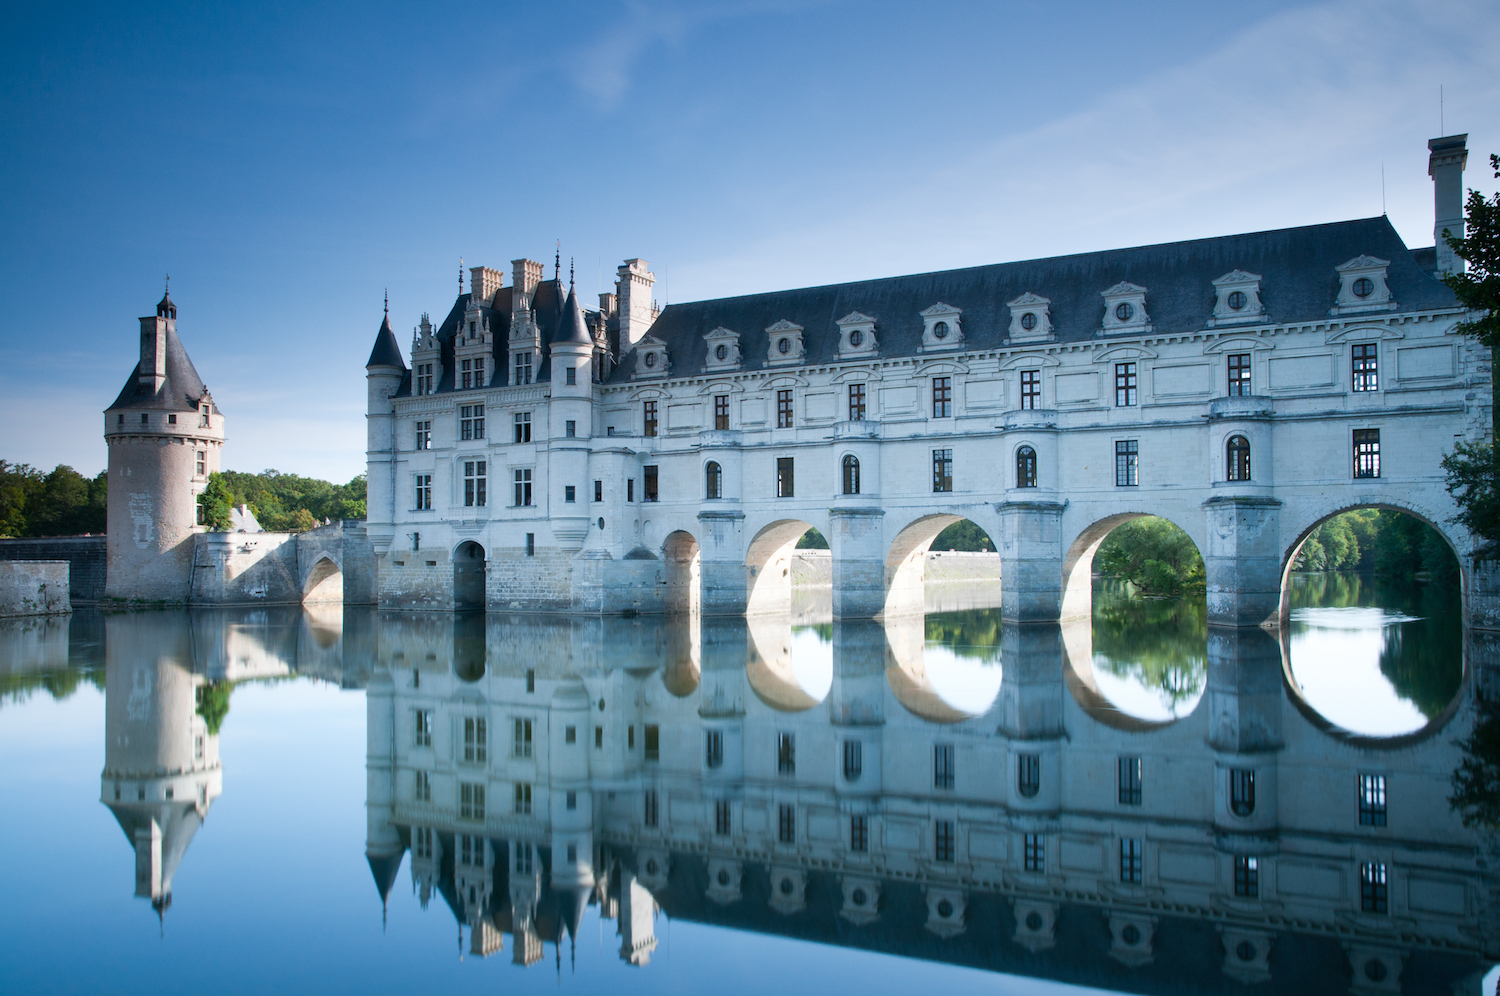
{"type": "Point", "coordinates": [214, 504]}
{"type": "Point", "coordinates": [1476, 781]}
{"type": "Point", "coordinates": [1153, 554]}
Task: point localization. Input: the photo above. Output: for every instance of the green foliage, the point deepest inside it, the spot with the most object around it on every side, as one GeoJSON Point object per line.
{"type": "Point", "coordinates": [288, 503]}
{"type": "Point", "coordinates": [968, 632]}
{"type": "Point", "coordinates": [812, 540]}
{"type": "Point", "coordinates": [214, 504]}
{"type": "Point", "coordinates": [18, 686]}
{"type": "Point", "coordinates": [1479, 287]}
{"type": "Point", "coordinates": [213, 703]}
{"type": "Point", "coordinates": [1162, 640]}
{"type": "Point", "coordinates": [1474, 482]}
{"type": "Point", "coordinates": [964, 536]}
{"type": "Point", "coordinates": [61, 503]}
{"type": "Point", "coordinates": [1154, 555]}
{"type": "Point", "coordinates": [1378, 541]}
{"type": "Point", "coordinates": [1476, 780]}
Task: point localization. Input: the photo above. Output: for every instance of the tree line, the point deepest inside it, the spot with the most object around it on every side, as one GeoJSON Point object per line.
{"type": "Point", "coordinates": [60, 503]}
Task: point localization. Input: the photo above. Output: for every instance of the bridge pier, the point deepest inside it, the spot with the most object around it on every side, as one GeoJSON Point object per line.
{"type": "Point", "coordinates": [857, 542]}
{"type": "Point", "coordinates": [722, 577]}
{"type": "Point", "coordinates": [1031, 561]}
{"type": "Point", "coordinates": [1243, 560]}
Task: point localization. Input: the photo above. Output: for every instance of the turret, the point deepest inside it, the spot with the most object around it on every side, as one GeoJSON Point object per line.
{"type": "Point", "coordinates": [383, 376]}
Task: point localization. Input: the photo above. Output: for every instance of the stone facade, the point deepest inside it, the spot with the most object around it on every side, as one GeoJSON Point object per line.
{"type": "Point", "coordinates": [34, 588]}
{"type": "Point", "coordinates": [85, 555]}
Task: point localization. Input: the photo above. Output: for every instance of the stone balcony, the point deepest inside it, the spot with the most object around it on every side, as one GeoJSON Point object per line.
{"type": "Point", "coordinates": [1031, 418]}
{"type": "Point", "coordinates": [862, 429]}
{"type": "Point", "coordinates": [1246, 407]}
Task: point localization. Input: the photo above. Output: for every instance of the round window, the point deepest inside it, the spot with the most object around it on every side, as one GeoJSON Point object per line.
{"type": "Point", "coordinates": [1236, 300]}
{"type": "Point", "coordinates": [1375, 970]}
{"type": "Point", "coordinates": [856, 337]}
{"type": "Point", "coordinates": [786, 887]}
{"type": "Point", "coordinates": [650, 359]}
{"type": "Point", "coordinates": [721, 352]}
{"type": "Point", "coordinates": [1033, 921]}
{"type": "Point", "coordinates": [1364, 287]}
{"type": "Point", "coordinates": [1245, 951]}
{"type": "Point", "coordinates": [944, 908]}
{"type": "Point", "coordinates": [859, 897]}
{"type": "Point", "coordinates": [1124, 310]}
{"type": "Point", "coordinates": [1028, 321]}
{"type": "Point", "coordinates": [1131, 934]}
{"type": "Point", "coordinates": [784, 346]}
{"type": "Point", "coordinates": [723, 877]}
{"type": "Point", "coordinates": [601, 522]}
{"type": "Point", "coordinates": [940, 330]}
{"type": "Point", "coordinates": [651, 867]}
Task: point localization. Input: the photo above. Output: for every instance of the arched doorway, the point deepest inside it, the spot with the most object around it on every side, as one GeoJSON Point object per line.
{"type": "Point", "coordinates": [468, 576]}
{"type": "Point", "coordinates": [325, 583]}
{"type": "Point", "coordinates": [682, 565]}
{"type": "Point", "coordinates": [968, 578]}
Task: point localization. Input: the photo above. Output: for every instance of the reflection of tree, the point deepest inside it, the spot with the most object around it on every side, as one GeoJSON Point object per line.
{"type": "Point", "coordinates": [1162, 643]}
{"type": "Point", "coordinates": [60, 684]}
{"type": "Point", "coordinates": [213, 703]}
{"type": "Point", "coordinates": [968, 632]}
{"type": "Point", "coordinates": [1476, 781]}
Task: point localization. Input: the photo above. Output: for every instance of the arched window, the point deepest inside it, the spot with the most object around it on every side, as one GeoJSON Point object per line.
{"type": "Point", "coordinates": [1237, 459]}
{"type": "Point", "coordinates": [1026, 467]}
{"type": "Point", "coordinates": [714, 480]}
{"type": "Point", "coordinates": [851, 474]}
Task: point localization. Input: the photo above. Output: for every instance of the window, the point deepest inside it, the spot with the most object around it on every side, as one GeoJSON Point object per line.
{"type": "Point", "coordinates": [144, 418]}
{"type": "Point", "coordinates": [1372, 800]}
{"type": "Point", "coordinates": [942, 766]}
{"type": "Point", "coordinates": [119, 420]}
{"type": "Point", "coordinates": [630, 489]}
{"type": "Point", "coordinates": [171, 419]}
{"type": "Point", "coordinates": [1237, 459]}
{"type": "Point", "coordinates": [531, 544]}
{"type": "Point", "coordinates": [651, 817]}
{"type": "Point", "coordinates": [202, 464]}
{"type": "Point", "coordinates": [523, 369]}
{"type": "Point", "coordinates": [630, 737]}
{"type": "Point", "coordinates": [470, 801]}
{"type": "Point", "coordinates": [424, 435]}
{"type": "Point", "coordinates": [523, 858]}
{"type": "Point", "coordinates": [1366, 452]}
{"type": "Point", "coordinates": [476, 739]}
{"type": "Point", "coordinates": [1034, 852]}
{"type": "Point", "coordinates": [523, 486]}
{"type": "Point", "coordinates": [598, 738]}
{"type": "Point", "coordinates": [1127, 463]}
{"type": "Point", "coordinates": [859, 833]}
{"type": "Point", "coordinates": [1372, 887]}
{"type": "Point", "coordinates": [1130, 781]}
{"type": "Point", "coordinates": [942, 397]}
{"type": "Point", "coordinates": [523, 799]}
{"type": "Point", "coordinates": [783, 409]}
{"type": "Point", "coordinates": [421, 789]}
{"type": "Point", "coordinates": [530, 680]}
{"type": "Point", "coordinates": [1125, 384]}
{"type": "Point", "coordinates": [1239, 375]}
{"type": "Point", "coordinates": [422, 728]}
{"type": "Point", "coordinates": [786, 754]}
{"type": "Point", "coordinates": [1365, 366]}
{"type": "Point", "coordinates": [786, 824]}
{"type": "Point", "coordinates": [570, 429]}
{"type": "Point", "coordinates": [854, 760]}
{"type": "Point", "coordinates": [1026, 467]}
{"type": "Point", "coordinates": [856, 402]}
{"type": "Point", "coordinates": [470, 850]}
{"type": "Point", "coordinates": [421, 844]}
{"type": "Point", "coordinates": [570, 734]}
{"type": "Point", "coordinates": [570, 493]}
{"type": "Point", "coordinates": [476, 484]}
{"type": "Point", "coordinates": [572, 848]}
{"type": "Point", "coordinates": [466, 372]}
{"type": "Point", "coordinates": [721, 818]}
{"type": "Point", "coordinates": [523, 427]}
{"type": "Point", "coordinates": [942, 471]}
{"type": "Point", "coordinates": [424, 378]}
{"type": "Point", "coordinates": [1242, 791]}
{"type": "Point", "coordinates": [713, 480]}
{"type": "Point", "coordinates": [197, 747]}
{"type": "Point", "coordinates": [471, 422]}
{"type": "Point", "coordinates": [721, 411]}
{"type": "Point", "coordinates": [851, 474]}
{"type": "Point", "coordinates": [649, 410]}
{"type": "Point", "coordinates": [1130, 860]}
{"type": "Point", "coordinates": [1246, 876]}
{"type": "Point", "coordinates": [942, 840]}
{"type": "Point", "coordinates": [652, 484]}
{"type": "Point", "coordinates": [1031, 389]}
{"type": "Point", "coordinates": [570, 376]}
{"type": "Point", "coordinates": [523, 738]}
{"type": "Point", "coordinates": [1028, 775]}
{"type": "Point", "coordinates": [783, 477]}
{"type": "Point", "coordinates": [598, 491]}
{"type": "Point", "coordinates": [653, 742]}
{"type": "Point", "coordinates": [713, 748]}
{"type": "Point", "coordinates": [424, 492]}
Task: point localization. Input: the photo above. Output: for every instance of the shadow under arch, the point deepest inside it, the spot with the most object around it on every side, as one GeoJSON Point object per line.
{"type": "Point", "coordinates": [773, 675]}
{"type": "Point", "coordinates": [910, 680]}
{"type": "Point", "coordinates": [683, 568]}
{"type": "Point", "coordinates": [684, 642]}
{"type": "Point", "coordinates": [468, 575]}
{"type": "Point", "coordinates": [325, 582]}
{"type": "Point", "coordinates": [1083, 684]}
{"type": "Point", "coordinates": [768, 566]}
{"type": "Point", "coordinates": [906, 562]}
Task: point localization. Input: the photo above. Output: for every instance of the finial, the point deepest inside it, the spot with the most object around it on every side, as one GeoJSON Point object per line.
{"type": "Point", "coordinates": [387, 302]}
{"type": "Point", "coordinates": [460, 276]}
{"type": "Point", "coordinates": [168, 288]}
{"type": "Point", "coordinates": [557, 262]}
{"type": "Point", "coordinates": [570, 274]}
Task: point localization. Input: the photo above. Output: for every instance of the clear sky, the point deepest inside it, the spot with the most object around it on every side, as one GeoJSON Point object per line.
{"type": "Point", "coordinates": [287, 163]}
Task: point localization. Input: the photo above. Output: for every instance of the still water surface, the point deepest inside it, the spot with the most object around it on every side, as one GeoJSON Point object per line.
{"type": "Point", "coordinates": [401, 803]}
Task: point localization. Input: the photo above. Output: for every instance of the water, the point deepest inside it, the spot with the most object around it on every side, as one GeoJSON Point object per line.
{"type": "Point", "coordinates": [1041, 809]}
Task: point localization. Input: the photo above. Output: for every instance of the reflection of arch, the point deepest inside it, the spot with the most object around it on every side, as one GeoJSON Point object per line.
{"type": "Point", "coordinates": [325, 582]}
{"type": "Point", "coordinates": [683, 567]}
{"type": "Point", "coordinates": [770, 670]}
{"type": "Point", "coordinates": [683, 642]}
{"type": "Point", "coordinates": [1078, 675]}
{"type": "Point", "coordinates": [911, 684]}
{"type": "Point", "coordinates": [468, 576]}
{"type": "Point", "coordinates": [768, 562]}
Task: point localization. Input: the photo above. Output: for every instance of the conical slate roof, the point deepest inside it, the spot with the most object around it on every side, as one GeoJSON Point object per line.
{"type": "Point", "coordinates": [571, 327]}
{"type": "Point", "coordinates": [181, 391]}
{"type": "Point", "coordinates": [386, 352]}
{"type": "Point", "coordinates": [384, 868]}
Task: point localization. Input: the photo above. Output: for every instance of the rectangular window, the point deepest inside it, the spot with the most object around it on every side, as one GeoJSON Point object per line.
{"type": "Point", "coordinates": [1242, 791]}
{"type": "Point", "coordinates": [471, 850]}
{"type": "Point", "coordinates": [424, 435]}
{"type": "Point", "coordinates": [523, 738]}
{"type": "Point", "coordinates": [721, 411]}
{"type": "Point", "coordinates": [570, 429]}
{"type": "Point", "coordinates": [942, 397]}
{"type": "Point", "coordinates": [572, 848]}
{"type": "Point", "coordinates": [530, 680]}
{"type": "Point", "coordinates": [783, 409]}
{"type": "Point", "coordinates": [942, 766]}
{"type": "Point", "coordinates": [1034, 852]}
{"type": "Point", "coordinates": [1364, 366]}
{"type": "Point", "coordinates": [1246, 876]}
{"type": "Point", "coordinates": [856, 402]}
{"type": "Point", "coordinates": [531, 544]}
{"type": "Point", "coordinates": [424, 492]}
{"type": "Point", "coordinates": [570, 493]}
{"type": "Point", "coordinates": [1125, 384]}
{"type": "Point", "coordinates": [854, 760]}
{"type": "Point", "coordinates": [523, 427]}
{"type": "Point", "coordinates": [630, 489]}
{"type": "Point", "coordinates": [523, 486]}
{"type": "Point", "coordinates": [650, 492]}
{"type": "Point", "coordinates": [652, 815]}
{"type": "Point", "coordinates": [523, 799]}
{"type": "Point", "coordinates": [630, 737]}
{"type": "Point", "coordinates": [204, 419]}
{"type": "Point", "coordinates": [942, 840]}
{"type": "Point", "coordinates": [421, 790]}
{"type": "Point", "coordinates": [171, 419]}
{"type": "Point", "coordinates": [1366, 452]}
{"type": "Point", "coordinates": [1127, 463]}
{"type": "Point", "coordinates": [197, 747]}
{"type": "Point", "coordinates": [466, 372]}
{"type": "Point", "coordinates": [523, 369]}
{"type": "Point", "coordinates": [1372, 887]}
{"type": "Point", "coordinates": [598, 738]}
{"type": "Point", "coordinates": [476, 739]}
{"type": "Point", "coordinates": [1028, 774]}
{"type": "Point", "coordinates": [570, 376]}
{"type": "Point", "coordinates": [721, 818]}
{"type": "Point", "coordinates": [653, 742]}
{"type": "Point", "coordinates": [523, 858]}
{"type": "Point", "coordinates": [479, 372]}
{"type": "Point", "coordinates": [422, 728]}
{"type": "Point", "coordinates": [942, 471]}
{"type": "Point", "coordinates": [786, 824]}
{"type": "Point", "coordinates": [786, 754]}
{"type": "Point", "coordinates": [1372, 800]}
{"type": "Point", "coordinates": [713, 748]}
{"type": "Point", "coordinates": [1130, 781]}
{"type": "Point", "coordinates": [470, 801]}
{"type": "Point", "coordinates": [202, 464]}
{"type": "Point", "coordinates": [421, 844]}
{"type": "Point", "coordinates": [570, 734]}
{"type": "Point", "coordinates": [598, 491]}
{"type": "Point", "coordinates": [1130, 860]}
{"type": "Point", "coordinates": [424, 378]}
{"type": "Point", "coordinates": [476, 483]}
{"type": "Point", "coordinates": [649, 415]}
{"type": "Point", "coordinates": [471, 422]}
{"type": "Point", "coordinates": [859, 833]}
{"type": "Point", "coordinates": [784, 484]}
{"type": "Point", "coordinates": [1239, 375]}
{"type": "Point", "coordinates": [1031, 389]}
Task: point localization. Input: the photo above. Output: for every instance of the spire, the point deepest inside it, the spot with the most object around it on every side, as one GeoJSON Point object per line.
{"type": "Point", "coordinates": [165, 308]}
{"type": "Point", "coordinates": [388, 306]}
{"type": "Point", "coordinates": [572, 328]}
{"type": "Point", "coordinates": [386, 352]}
{"type": "Point", "coordinates": [557, 263]}
{"type": "Point", "coordinates": [570, 274]}
{"type": "Point", "coordinates": [460, 276]}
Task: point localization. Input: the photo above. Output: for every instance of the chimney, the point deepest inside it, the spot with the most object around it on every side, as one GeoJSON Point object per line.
{"type": "Point", "coordinates": [1445, 164]}
{"type": "Point", "coordinates": [634, 282]}
{"type": "Point", "coordinates": [152, 371]}
{"type": "Point", "coordinates": [607, 305]}
{"type": "Point", "coordinates": [528, 273]}
{"type": "Point", "coordinates": [483, 283]}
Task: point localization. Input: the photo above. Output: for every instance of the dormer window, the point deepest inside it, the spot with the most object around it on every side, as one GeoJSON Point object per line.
{"type": "Point", "coordinates": [424, 378]}
{"type": "Point", "coordinates": [785, 344]}
{"type": "Point", "coordinates": [1030, 318]}
{"type": "Point", "coordinates": [941, 327]}
{"type": "Point", "coordinates": [1237, 299]}
{"type": "Point", "coordinates": [1362, 286]}
{"type": "Point", "coordinates": [523, 368]}
{"type": "Point", "coordinates": [204, 422]}
{"type": "Point", "coordinates": [940, 330]}
{"type": "Point", "coordinates": [1125, 310]}
{"type": "Point", "coordinates": [723, 349]}
{"type": "Point", "coordinates": [651, 358]}
{"type": "Point", "coordinates": [856, 335]}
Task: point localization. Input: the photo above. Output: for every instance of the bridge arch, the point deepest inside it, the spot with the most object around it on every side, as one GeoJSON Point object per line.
{"type": "Point", "coordinates": [324, 582]}
{"type": "Point", "coordinates": [682, 560]}
{"type": "Point", "coordinates": [906, 561]}
{"type": "Point", "coordinates": [768, 565]}
{"type": "Point", "coordinates": [1078, 560]}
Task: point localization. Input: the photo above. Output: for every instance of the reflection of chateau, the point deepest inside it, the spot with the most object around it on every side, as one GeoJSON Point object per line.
{"type": "Point", "coordinates": [532, 766]}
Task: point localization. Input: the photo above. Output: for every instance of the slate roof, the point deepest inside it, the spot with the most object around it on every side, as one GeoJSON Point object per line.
{"type": "Point", "coordinates": [387, 352]}
{"type": "Point", "coordinates": [179, 393]}
{"type": "Point", "coordinates": [1296, 266]}
{"type": "Point", "coordinates": [571, 327]}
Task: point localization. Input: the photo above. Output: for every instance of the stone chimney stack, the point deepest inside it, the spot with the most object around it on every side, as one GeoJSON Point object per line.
{"type": "Point", "coordinates": [527, 274]}
{"type": "Point", "coordinates": [152, 371]}
{"type": "Point", "coordinates": [633, 283]}
{"type": "Point", "coordinates": [483, 283]}
{"type": "Point", "coordinates": [1445, 164]}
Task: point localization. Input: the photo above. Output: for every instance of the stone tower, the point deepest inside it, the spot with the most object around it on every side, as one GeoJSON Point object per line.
{"type": "Point", "coordinates": [164, 435]}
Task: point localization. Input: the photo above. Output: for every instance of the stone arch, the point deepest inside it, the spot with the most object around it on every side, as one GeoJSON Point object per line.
{"type": "Point", "coordinates": [910, 678]}
{"type": "Point", "coordinates": [324, 582]}
{"type": "Point", "coordinates": [768, 566]}
{"type": "Point", "coordinates": [468, 575]}
{"type": "Point", "coordinates": [906, 562]}
{"type": "Point", "coordinates": [1078, 561]}
{"type": "Point", "coordinates": [770, 669]}
{"type": "Point", "coordinates": [683, 564]}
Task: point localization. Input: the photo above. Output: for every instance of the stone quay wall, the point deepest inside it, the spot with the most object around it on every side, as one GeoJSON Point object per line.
{"type": "Point", "coordinates": [34, 588]}
{"type": "Point", "coordinates": [86, 557]}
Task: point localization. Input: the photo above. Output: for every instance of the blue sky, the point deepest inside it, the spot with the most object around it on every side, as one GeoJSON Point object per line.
{"type": "Point", "coordinates": [288, 163]}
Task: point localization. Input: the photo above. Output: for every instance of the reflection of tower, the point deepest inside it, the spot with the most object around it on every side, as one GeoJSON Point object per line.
{"type": "Point", "coordinates": [637, 921]}
{"type": "Point", "coordinates": [383, 846]}
{"type": "Point", "coordinates": [525, 891]}
{"type": "Point", "coordinates": [161, 761]}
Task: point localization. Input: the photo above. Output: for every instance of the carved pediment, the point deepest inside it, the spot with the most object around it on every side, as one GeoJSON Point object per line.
{"type": "Point", "coordinates": [723, 349]}
{"type": "Point", "coordinates": [1362, 286]}
{"type": "Point", "coordinates": [651, 358]}
{"type": "Point", "coordinates": [855, 318]}
{"type": "Point", "coordinates": [942, 327]}
{"type": "Point", "coordinates": [784, 343]}
{"type": "Point", "coordinates": [783, 326]}
{"type": "Point", "coordinates": [1124, 288]}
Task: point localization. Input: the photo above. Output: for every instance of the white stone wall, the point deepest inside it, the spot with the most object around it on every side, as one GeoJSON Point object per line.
{"type": "Point", "coordinates": [34, 588]}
